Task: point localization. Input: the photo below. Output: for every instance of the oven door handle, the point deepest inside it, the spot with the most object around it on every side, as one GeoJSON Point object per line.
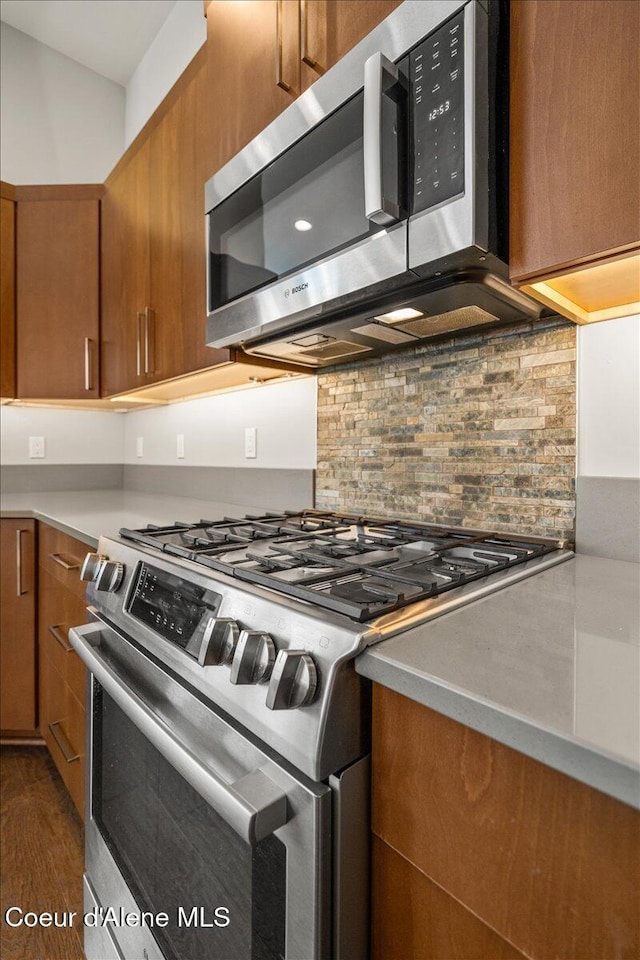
{"type": "Point", "coordinates": [254, 806]}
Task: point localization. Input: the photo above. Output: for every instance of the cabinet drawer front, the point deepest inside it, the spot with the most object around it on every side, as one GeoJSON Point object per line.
{"type": "Point", "coordinates": [522, 846]}
{"type": "Point", "coordinates": [58, 610]}
{"type": "Point", "coordinates": [62, 724]}
{"type": "Point", "coordinates": [62, 556]}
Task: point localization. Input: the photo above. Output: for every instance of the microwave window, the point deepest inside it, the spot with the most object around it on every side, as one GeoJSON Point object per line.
{"type": "Point", "coordinates": [308, 203]}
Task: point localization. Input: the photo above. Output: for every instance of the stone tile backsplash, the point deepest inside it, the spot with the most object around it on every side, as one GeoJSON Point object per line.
{"type": "Point", "coordinates": [478, 432]}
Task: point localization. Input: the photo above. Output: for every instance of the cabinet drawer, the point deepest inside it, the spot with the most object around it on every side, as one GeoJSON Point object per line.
{"type": "Point", "coordinates": [62, 724]}
{"type": "Point", "coordinates": [58, 610]}
{"type": "Point", "coordinates": [521, 846]}
{"type": "Point", "coordinates": [62, 556]}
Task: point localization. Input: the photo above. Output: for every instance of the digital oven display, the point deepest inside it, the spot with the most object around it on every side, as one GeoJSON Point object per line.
{"type": "Point", "coordinates": [169, 605]}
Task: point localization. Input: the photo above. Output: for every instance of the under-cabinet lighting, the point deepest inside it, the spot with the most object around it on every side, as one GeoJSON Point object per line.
{"type": "Point", "coordinates": [605, 291]}
{"type": "Point", "coordinates": [395, 316]}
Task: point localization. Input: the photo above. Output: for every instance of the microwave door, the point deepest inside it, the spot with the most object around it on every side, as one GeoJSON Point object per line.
{"type": "Point", "coordinates": [322, 226]}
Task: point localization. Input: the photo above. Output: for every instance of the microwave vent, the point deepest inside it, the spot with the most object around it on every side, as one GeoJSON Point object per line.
{"type": "Point", "coordinates": [451, 320]}
{"type": "Point", "coordinates": [387, 334]}
{"type": "Point", "coordinates": [332, 351]}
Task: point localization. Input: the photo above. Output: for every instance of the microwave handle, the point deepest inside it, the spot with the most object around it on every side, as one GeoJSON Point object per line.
{"type": "Point", "coordinates": [381, 79]}
{"type": "Point", "coordinates": [254, 806]}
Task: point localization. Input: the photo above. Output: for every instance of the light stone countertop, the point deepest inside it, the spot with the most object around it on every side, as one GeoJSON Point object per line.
{"type": "Point", "coordinates": [549, 666]}
{"type": "Point", "coordinates": [89, 514]}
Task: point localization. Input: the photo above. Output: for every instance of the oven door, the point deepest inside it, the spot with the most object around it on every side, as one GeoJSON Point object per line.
{"type": "Point", "coordinates": [203, 846]}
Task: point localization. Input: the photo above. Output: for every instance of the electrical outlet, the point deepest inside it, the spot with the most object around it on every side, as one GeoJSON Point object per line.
{"type": "Point", "coordinates": [180, 446]}
{"type": "Point", "coordinates": [36, 448]}
{"type": "Point", "coordinates": [250, 442]}
{"type": "Point", "coordinates": [139, 446]}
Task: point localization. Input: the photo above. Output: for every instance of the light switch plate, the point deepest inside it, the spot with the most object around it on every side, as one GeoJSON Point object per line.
{"type": "Point", "coordinates": [36, 448]}
{"type": "Point", "coordinates": [180, 446]}
{"type": "Point", "coordinates": [139, 446]}
{"type": "Point", "coordinates": [250, 442]}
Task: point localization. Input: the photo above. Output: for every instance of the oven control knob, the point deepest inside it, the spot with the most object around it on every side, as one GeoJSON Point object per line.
{"type": "Point", "coordinates": [110, 576]}
{"type": "Point", "coordinates": [293, 682]}
{"type": "Point", "coordinates": [218, 642]}
{"type": "Point", "coordinates": [254, 657]}
{"type": "Point", "coordinates": [91, 566]}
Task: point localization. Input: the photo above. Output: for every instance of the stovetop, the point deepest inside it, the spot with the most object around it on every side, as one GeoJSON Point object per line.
{"type": "Point", "coordinates": [361, 567]}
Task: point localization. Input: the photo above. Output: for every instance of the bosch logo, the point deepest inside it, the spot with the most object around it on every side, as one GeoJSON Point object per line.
{"type": "Point", "coordinates": [298, 289]}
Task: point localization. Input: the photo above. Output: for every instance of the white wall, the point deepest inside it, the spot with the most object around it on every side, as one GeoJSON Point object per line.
{"type": "Point", "coordinates": [71, 436]}
{"type": "Point", "coordinates": [609, 398]}
{"type": "Point", "coordinates": [213, 428]}
{"type": "Point", "coordinates": [59, 121]}
{"type": "Point", "coordinates": [176, 44]}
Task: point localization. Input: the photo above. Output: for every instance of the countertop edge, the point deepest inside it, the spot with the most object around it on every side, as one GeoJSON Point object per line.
{"type": "Point", "coordinates": [51, 522]}
{"type": "Point", "coordinates": [598, 770]}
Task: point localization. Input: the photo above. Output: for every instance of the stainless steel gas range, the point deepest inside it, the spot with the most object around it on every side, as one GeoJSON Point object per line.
{"type": "Point", "coordinates": [229, 732]}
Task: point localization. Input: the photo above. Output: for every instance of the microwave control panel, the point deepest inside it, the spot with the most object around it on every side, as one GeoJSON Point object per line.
{"type": "Point", "coordinates": [437, 89]}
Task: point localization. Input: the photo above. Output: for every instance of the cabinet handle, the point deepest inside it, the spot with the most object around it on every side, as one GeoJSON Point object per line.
{"type": "Point", "coordinates": [304, 55]}
{"type": "Point", "coordinates": [88, 383]}
{"type": "Point", "coordinates": [140, 317]}
{"type": "Point", "coordinates": [63, 563]}
{"type": "Point", "coordinates": [57, 634]}
{"type": "Point", "coordinates": [19, 591]}
{"type": "Point", "coordinates": [148, 340]}
{"type": "Point", "coordinates": [279, 81]}
{"type": "Point", "coordinates": [63, 744]}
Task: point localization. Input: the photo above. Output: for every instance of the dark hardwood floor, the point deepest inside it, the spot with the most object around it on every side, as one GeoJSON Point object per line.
{"type": "Point", "coordinates": [41, 845]}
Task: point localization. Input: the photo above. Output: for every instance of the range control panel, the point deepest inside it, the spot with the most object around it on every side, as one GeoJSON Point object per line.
{"type": "Point", "coordinates": [170, 605]}
{"type": "Point", "coordinates": [437, 88]}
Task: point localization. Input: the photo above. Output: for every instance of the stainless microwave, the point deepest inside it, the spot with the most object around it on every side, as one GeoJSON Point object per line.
{"type": "Point", "coordinates": [373, 212]}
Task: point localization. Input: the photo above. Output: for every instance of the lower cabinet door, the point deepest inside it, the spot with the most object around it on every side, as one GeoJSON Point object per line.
{"type": "Point", "coordinates": [62, 725]}
{"type": "Point", "coordinates": [17, 628]}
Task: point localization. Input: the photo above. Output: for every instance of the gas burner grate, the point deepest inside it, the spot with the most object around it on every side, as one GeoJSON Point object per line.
{"type": "Point", "coordinates": [359, 566]}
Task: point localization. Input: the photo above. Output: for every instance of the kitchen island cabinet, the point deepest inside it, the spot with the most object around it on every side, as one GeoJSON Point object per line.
{"type": "Point", "coordinates": [18, 716]}
{"type": "Point", "coordinates": [575, 155]}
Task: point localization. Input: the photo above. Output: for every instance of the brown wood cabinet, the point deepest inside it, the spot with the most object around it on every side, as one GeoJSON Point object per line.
{"type": "Point", "coordinates": [18, 627]}
{"type": "Point", "coordinates": [153, 260]}
{"type": "Point", "coordinates": [57, 301]}
{"type": "Point", "coordinates": [575, 154]}
{"type": "Point", "coordinates": [253, 69]}
{"type": "Point", "coordinates": [263, 55]}
{"type": "Point", "coordinates": [7, 292]}
{"type": "Point", "coordinates": [62, 675]}
{"type": "Point", "coordinates": [481, 852]}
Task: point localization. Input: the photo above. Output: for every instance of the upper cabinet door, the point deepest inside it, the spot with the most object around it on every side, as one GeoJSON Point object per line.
{"type": "Point", "coordinates": [125, 333]}
{"type": "Point", "coordinates": [7, 298]}
{"type": "Point", "coordinates": [178, 314]}
{"type": "Point", "coordinates": [254, 69]}
{"type": "Point", "coordinates": [575, 133]}
{"type": "Point", "coordinates": [57, 264]}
